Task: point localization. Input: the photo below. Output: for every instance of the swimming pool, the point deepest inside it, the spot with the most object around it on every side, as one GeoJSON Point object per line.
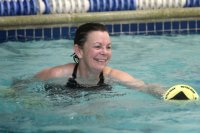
{"type": "Point", "coordinates": [167, 60]}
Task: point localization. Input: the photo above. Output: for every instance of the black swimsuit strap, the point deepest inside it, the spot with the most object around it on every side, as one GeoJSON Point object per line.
{"type": "Point", "coordinates": [75, 71]}
{"type": "Point", "coordinates": [101, 77]}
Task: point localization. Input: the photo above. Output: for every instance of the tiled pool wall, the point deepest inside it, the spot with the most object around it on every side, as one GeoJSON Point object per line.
{"type": "Point", "coordinates": [31, 7]}
{"type": "Point", "coordinates": [152, 28]}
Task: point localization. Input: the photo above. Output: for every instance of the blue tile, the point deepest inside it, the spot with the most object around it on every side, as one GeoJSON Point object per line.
{"type": "Point", "coordinates": [183, 24]}
{"type": "Point", "coordinates": [48, 35]}
{"type": "Point", "coordinates": [134, 28]}
{"type": "Point", "coordinates": [3, 37]}
{"type": "Point", "coordinates": [109, 28]}
{"type": "Point", "coordinates": [117, 28]}
{"type": "Point", "coordinates": [125, 28]}
{"type": "Point", "coordinates": [12, 35]}
{"type": "Point", "coordinates": [192, 27]}
{"type": "Point", "coordinates": [159, 26]}
{"type": "Point", "coordinates": [192, 24]}
{"type": "Point", "coordinates": [142, 27]}
{"type": "Point", "coordinates": [65, 32]}
{"type": "Point", "coordinates": [56, 33]}
{"type": "Point", "coordinates": [167, 26]}
{"type": "Point", "coordinates": [198, 24]}
{"type": "Point", "coordinates": [38, 34]}
{"type": "Point", "coordinates": [175, 25]}
{"type": "Point", "coordinates": [72, 32]}
{"type": "Point", "coordinates": [150, 27]}
{"type": "Point", "coordinates": [30, 34]}
{"type": "Point", "coordinates": [21, 35]}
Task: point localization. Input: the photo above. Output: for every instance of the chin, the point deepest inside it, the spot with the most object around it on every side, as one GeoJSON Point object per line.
{"type": "Point", "coordinates": [100, 66]}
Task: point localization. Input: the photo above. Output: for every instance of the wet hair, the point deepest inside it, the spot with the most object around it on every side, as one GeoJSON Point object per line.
{"type": "Point", "coordinates": [82, 33]}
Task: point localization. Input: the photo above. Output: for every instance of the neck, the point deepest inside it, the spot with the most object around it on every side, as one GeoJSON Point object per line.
{"type": "Point", "coordinates": [85, 75]}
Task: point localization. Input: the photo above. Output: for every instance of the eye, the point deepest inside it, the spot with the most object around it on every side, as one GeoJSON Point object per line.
{"type": "Point", "coordinates": [109, 47]}
{"type": "Point", "coordinates": [97, 46]}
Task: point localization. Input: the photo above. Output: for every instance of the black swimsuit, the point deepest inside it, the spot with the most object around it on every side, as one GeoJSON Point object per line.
{"type": "Point", "coordinates": [72, 83]}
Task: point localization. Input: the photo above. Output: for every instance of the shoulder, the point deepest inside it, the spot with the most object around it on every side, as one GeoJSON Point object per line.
{"type": "Point", "coordinates": [56, 72]}
{"type": "Point", "coordinates": [117, 74]}
{"type": "Point", "coordinates": [122, 77]}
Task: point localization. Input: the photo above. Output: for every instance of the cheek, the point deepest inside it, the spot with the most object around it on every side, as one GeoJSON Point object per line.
{"type": "Point", "coordinates": [89, 54]}
{"type": "Point", "coordinates": [110, 54]}
{"type": "Point", "coordinates": [92, 53]}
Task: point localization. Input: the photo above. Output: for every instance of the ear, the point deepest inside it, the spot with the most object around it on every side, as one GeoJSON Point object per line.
{"type": "Point", "coordinates": [78, 51]}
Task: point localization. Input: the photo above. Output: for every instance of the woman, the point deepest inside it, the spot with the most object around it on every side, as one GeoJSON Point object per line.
{"type": "Point", "coordinates": [92, 52]}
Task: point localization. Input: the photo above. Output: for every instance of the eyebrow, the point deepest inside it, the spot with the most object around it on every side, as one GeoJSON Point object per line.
{"type": "Point", "coordinates": [101, 43]}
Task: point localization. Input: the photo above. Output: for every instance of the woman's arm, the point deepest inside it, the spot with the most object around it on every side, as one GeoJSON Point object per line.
{"type": "Point", "coordinates": [55, 72]}
{"type": "Point", "coordinates": [128, 80]}
{"type": "Point", "coordinates": [44, 74]}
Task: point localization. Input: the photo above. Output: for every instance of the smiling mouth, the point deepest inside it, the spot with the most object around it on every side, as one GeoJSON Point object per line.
{"type": "Point", "coordinates": [100, 60]}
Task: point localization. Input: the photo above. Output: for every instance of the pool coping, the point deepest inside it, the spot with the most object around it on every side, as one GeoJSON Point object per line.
{"type": "Point", "coordinates": [74, 19]}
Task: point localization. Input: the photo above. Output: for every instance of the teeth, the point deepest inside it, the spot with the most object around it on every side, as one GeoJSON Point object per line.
{"type": "Point", "coordinates": [101, 60]}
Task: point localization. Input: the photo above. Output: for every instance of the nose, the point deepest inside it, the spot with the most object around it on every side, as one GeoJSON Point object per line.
{"type": "Point", "coordinates": [104, 50]}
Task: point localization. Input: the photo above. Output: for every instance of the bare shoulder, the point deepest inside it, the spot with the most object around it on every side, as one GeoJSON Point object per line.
{"type": "Point", "coordinates": [122, 77]}
{"type": "Point", "coordinates": [117, 74]}
{"type": "Point", "coordinates": [56, 72]}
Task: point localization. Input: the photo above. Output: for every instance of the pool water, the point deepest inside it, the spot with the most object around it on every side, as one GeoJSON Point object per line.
{"type": "Point", "coordinates": [167, 60]}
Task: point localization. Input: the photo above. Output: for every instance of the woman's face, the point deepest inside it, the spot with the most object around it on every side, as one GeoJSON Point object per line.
{"type": "Point", "coordinates": [97, 51]}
